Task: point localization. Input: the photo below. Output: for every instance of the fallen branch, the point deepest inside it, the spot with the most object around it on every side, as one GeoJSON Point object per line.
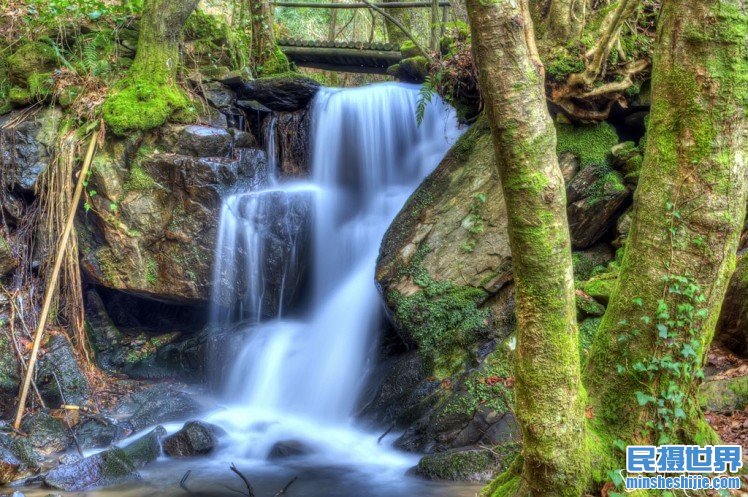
{"type": "Point", "coordinates": [282, 491]}
{"type": "Point", "coordinates": [52, 283]}
{"type": "Point", "coordinates": [386, 432]}
{"type": "Point", "coordinates": [250, 490]}
{"type": "Point", "coordinates": [183, 481]}
{"type": "Point", "coordinates": [399, 25]}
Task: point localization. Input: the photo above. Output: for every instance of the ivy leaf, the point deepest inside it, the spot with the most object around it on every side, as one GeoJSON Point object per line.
{"type": "Point", "coordinates": [687, 351]}
{"type": "Point", "coordinates": [663, 331]}
{"type": "Point", "coordinates": [643, 399]}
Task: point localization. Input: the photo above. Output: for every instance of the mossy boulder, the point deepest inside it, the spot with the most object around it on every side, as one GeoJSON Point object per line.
{"type": "Point", "coordinates": [726, 395]}
{"type": "Point", "coordinates": [60, 379]}
{"type": "Point", "coordinates": [479, 465]}
{"type": "Point", "coordinates": [411, 70]}
{"type": "Point", "coordinates": [30, 59]}
{"type": "Point", "coordinates": [409, 49]}
{"type": "Point", "coordinates": [151, 230]}
{"type": "Point", "coordinates": [590, 143]}
{"type": "Point", "coordinates": [47, 434]}
{"type": "Point", "coordinates": [10, 374]}
{"type": "Point", "coordinates": [7, 262]}
{"type": "Point", "coordinates": [17, 458]}
{"type": "Point", "coordinates": [447, 254]}
{"type": "Point", "coordinates": [601, 286]}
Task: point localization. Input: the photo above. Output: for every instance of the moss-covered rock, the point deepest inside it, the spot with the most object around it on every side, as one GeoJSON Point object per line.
{"type": "Point", "coordinates": [30, 59]}
{"type": "Point", "coordinates": [409, 49]}
{"type": "Point", "coordinates": [412, 69]}
{"type": "Point", "coordinates": [601, 286]}
{"type": "Point", "coordinates": [730, 394]}
{"type": "Point", "coordinates": [60, 378]}
{"type": "Point", "coordinates": [479, 465]}
{"type": "Point", "coordinates": [591, 143]}
{"type": "Point", "coordinates": [447, 253]}
{"type": "Point", "coordinates": [285, 92]}
{"type": "Point", "coordinates": [10, 378]}
{"type": "Point", "coordinates": [7, 261]}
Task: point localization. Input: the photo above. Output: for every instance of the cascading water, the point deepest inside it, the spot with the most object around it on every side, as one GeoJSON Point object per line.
{"type": "Point", "coordinates": [298, 377]}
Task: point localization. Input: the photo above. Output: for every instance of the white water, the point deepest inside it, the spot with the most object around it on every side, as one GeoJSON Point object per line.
{"type": "Point", "coordinates": [300, 378]}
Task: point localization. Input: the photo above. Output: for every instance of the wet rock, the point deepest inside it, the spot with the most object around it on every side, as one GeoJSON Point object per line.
{"type": "Point", "coordinates": [99, 432]}
{"type": "Point", "coordinates": [410, 70]}
{"type": "Point", "coordinates": [161, 246]}
{"type": "Point", "coordinates": [287, 92]}
{"type": "Point", "coordinates": [623, 226]}
{"type": "Point", "coordinates": [479, 465]}
{"type": "Point", "coordinates": [292, 141]}
{"type": "Point", "coordinates": [587, 306]}
{"type": "Point", "coordinates": [110, 467]}
{"type": "Point", "coordinates": [159, 404]}
{"type": "Point", "coordinates": [48, 435]}
{"type": "Point", "coordinates": [288, 448]}
{"type": "Point", "coordinates": [732, 327]}
{"type": "Point", "coordinates": [596, 196]}
{"type": "Point", "coordinates": [204, 141]}
{"type": "Point", "coordinates": [194, 439]}
{"type": "Point", "coordinates": [60, 379]}
{"type": "Point", "coordinates": [17, 458]}
{"type": "Point", "coordinates": [730, 394]}
{"type": "Point", "coordinates": [103, 334]}
{"type": "Point", "coordinates": [218, 95]}
{"type": "Point", "coordinates": [27, 147]}
{"type": "Point", "coordinates": [10, 374]}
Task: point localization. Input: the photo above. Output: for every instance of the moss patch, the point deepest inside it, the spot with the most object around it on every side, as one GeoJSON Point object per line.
{"type": "Point", "coordinates": [590, 143]}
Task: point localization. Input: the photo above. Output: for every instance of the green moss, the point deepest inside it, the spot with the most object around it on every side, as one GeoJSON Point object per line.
{"type": "Point", "coordinates": [587, 331]}
{"type": "Point", "coordinates": [139, 104]}
{"type": "Point", "coordinates": [20, 96]}
{"type": "Point", "coordinates": [590, 143]}
{"type": "Point", "coordinates": [601, 286]}
{"type": "Point", "coordinates": [139, 179]}
{"type": "Point", "coordinates": [409, 49]}
{"type": "Point", "coordinates": [562, 63]}
{"type": "Point", "coordinates": [31, 58]}
{"type": "Point", "coordinates": [465, 464]}
{"type": "Point", "coordinates": [151, 275]}
{"type": "Point", "coordinates": [276, 63]}
{"type": "Point", "coordinates": [465, 145]}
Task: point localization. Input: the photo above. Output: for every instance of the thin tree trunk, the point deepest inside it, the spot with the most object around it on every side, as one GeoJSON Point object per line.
{"type": "Point", "coordinates": [263, 35]}
{"type": "Point", "coordinates": [394, 32]}
{"type": "Point", "coordinates": [434, 36]}
{"type": "Point", "coordinates": [689, 211]}
{"type": "Point", "coordinates": [565, 20]}
{"type": "Point", "coordinates": [548, 393]}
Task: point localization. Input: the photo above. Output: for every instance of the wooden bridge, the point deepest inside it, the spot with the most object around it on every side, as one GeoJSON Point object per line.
{"type": "Point", "coordinates": [350, 56]}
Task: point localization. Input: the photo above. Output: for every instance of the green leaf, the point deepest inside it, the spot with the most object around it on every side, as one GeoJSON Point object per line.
{"type": "Point", "coordinates": [663, 331]}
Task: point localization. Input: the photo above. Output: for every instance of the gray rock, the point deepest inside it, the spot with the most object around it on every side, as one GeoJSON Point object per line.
{"type": "Point", "coordinates": [479, 465]}
{"type": "Point", "coordinates": [569, 164]}
{"type": "Point", "coordinates": [161, 403]}
{"type": "Point", "coordinates": [28, 146]}
{"type": "Point", "coordinates": [724, 395]}
{"type": "Point", "coordinates": [732, 327]}
{"type": "Point", "coordinates": [96, 433]}
{"type": "Point", "coordinates": [194, 439]}
{"type": "Point", "coordinates": [17, 458]}
{"type": "Point", "coordinates": [47, 435]}
{"type": "Point", "coordinates": [204, 141]}
{"type": "Point", "coordinates": [7, 262]}
{"type": "Point", "coordinates": [218, 95]}
{"type": "Point", "coordinates": [10, 373]}
{"type": "Point", "coordinates": [60, 379]}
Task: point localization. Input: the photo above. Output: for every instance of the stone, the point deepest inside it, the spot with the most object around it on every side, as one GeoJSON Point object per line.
{"type": "Point", "coordinates": [162, 245]}
{"type": "Point", "coordinates": [724, 395]}
{"type": "Point", "coordinates": [161, 403]}
{"type": "Point", "coordinates": [569, 164]}
{"type": "Point", "coordinates": [218, 95]}
{"type": "Point", "coordinates": [60, 379]}
{"type": "Point", "coordinates": [732, 327]}
{"type": "Point", "coordinates": [194, 439]}
{"type": "Point", "coordinates": [205, 141]}
{"type": "Point", "coordinates": [48, 435]}
{"type": "Point", "coordinates": [10, 373]}
{"type": "Point", "coordinates": [479, 465]}
{"type": "Point", "coordinates": [7, 261]}
{"type": "Point", "coordinates": [595, 197]}
{"type": "Point", "coordinates": [600, 287]}
{"type": "Point", "coordinates": [590, 260]}
{"type": "Point", "coordinates": [97, 433]}
{"type": "Point", "coordinates": [286, 92]}
{"type": "Point", "coordinates": [410, 70]}
{"type": "Point", "coordinates": [288, 448]}
{"type": "Point", "coordinates": [292, 142]}
{"type": "Point", "coordinates": [30, 147]}
{"type": "Point", "coordinates": [110, 467]}
{"type": "Point", "coordinates": [587, 306]}
{"type": "Point", "coordinates": [17, 458]}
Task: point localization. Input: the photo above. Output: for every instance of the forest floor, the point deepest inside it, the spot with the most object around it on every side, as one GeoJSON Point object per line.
{"type": "Point", "coordinates": [731, 426]}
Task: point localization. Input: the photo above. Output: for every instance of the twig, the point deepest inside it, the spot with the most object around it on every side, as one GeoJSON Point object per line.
{"type": "Point", "coordinates": [183, 481]}
{"type": "Point", "coordinates": [282, 491]}
{"type": "Point", "coordinates": [52, 283]}
{"type": "Point", "coordinates": [250, 490]}
{"type": "Point", "coordinates": [387, 432]}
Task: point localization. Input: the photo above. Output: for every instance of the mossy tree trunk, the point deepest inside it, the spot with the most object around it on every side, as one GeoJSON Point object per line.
{"type": "Point", "coordinates": [560, 20]}
{"type": "Point", "coordinates": [690, 205]}
{"type": "Point", "coordinates": [149, 95]}
{"type": "Point", "coordinates": [263, 34]}
{"type": "Point", "coordinates": [161, 27]}
{"type": "Point", "coordinates": [394, 33]}
{"type": "Point", "coordinates": [549, 398]}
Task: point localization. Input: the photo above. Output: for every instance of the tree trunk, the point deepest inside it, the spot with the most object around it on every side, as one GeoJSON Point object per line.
{"type": "Point", "coordinates": [689, 211]}
{"type": "Point", "coordinates": [158, 40]}
{"type": "Point", "coordinates": [266, 57]}
{"type": "Point", "coordinates": [394, 33]}
{"type": "Point", "coordinates": [548, 392]}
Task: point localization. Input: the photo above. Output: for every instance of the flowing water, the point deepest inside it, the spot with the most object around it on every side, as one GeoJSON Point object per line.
{"type": "Point", "coordinates": [295, 262]}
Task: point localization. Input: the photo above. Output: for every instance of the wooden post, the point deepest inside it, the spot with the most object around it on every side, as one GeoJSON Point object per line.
{"type": "Point", "coordinates": [52, 282]}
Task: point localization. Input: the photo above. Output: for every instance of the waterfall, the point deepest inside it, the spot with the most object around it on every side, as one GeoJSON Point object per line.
{"type": "Point", "coordinates": [296, 261]}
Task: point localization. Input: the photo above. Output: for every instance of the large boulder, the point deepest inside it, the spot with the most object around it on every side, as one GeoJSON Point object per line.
{"type": "Point", "coordinates": [725, 395]}
{"type": "Point", "coordinates": [47, 434]}
{"type": "Point", "coordinates": [7, 261]}
{"type": "Point", "coordinates": [60, 379]}
{"type": "Point", "coordinates": [287, 92]}
{"type": "Point", "coordinates": [152, 226]}
{"type": "Point", "coordinates": [27, 146]}
{"type": "Point", "coordinates": [17, 458]}
{"type": "Point", "coordinates": [161, 403]}
{"type": "Point", "coordinates": [10, 372]}
{"type": "Point", "coordinates": [446, 256]}
{"type": "Point", "coordinates": [292, 135]}
{"type": "Point", "coordinates": [732, 327]}
{"type": "Point", "coordinates": [110, 467]}
{"type": "Point", "coordinates": [479, 465]}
